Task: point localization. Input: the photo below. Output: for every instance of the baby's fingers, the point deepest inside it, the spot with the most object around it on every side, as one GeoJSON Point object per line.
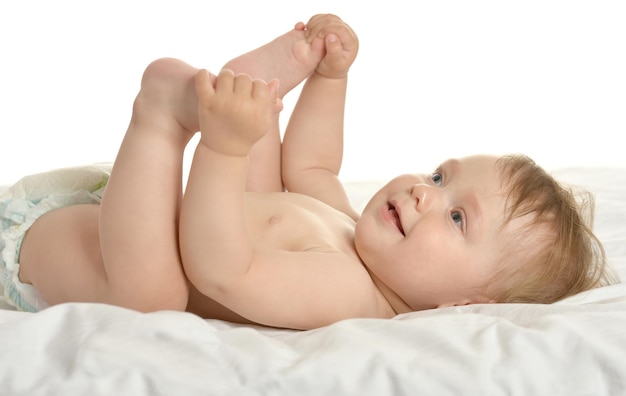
{"type": "Point", "coordinates": [204, 84]}
{"type": "Point", "coordinates": [323, 25]}
{"type": "Point", "coordinates": [267, 95]}
{"type": "Point", "coordinates": [243, 84]}
{"type": "Point", "coordinates": [225, 81]}
{"type": "Point", "coordinates": [334, 47]}
{"type": "Point", "coordinates": [317, 25]}
{"type": "Point", "coordinates": [260, 90]}
{"type": "Point", "coordinates": [273, 87]}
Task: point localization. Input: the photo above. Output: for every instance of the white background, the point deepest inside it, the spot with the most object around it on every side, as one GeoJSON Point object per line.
{"type": "Point", "coordinates": [433, 80]}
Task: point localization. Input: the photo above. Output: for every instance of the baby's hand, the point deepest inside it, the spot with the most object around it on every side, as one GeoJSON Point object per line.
{"type": "Point", "coordinates": [235, 113]}
{"type": "Point", "coordinates": [341, 42]}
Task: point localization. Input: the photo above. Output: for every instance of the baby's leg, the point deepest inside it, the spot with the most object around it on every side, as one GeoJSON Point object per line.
{"type": "Point", "coordinates": [125, 251]}
{"type": "Point", "coordinates": [141, 204]}
{"type": "Point", "coordinates": [290, 59]}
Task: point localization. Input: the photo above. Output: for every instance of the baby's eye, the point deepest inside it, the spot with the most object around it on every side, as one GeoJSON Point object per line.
{"type": "Point", "coordinates": [458, 218]}
{"type": "Point", "coordinates": [437, 178]}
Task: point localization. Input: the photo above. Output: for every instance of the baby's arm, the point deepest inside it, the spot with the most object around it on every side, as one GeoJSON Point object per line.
{"type": "Point", "coordinates": [214, 241]}
{"type": "Point", "coordinates": [312, 148]}
{"type": "Point", "coordinates": [277, 287]}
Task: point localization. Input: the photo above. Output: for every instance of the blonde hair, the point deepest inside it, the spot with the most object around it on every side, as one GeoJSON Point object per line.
{"type": "Point", "coordinates": [556, 254]}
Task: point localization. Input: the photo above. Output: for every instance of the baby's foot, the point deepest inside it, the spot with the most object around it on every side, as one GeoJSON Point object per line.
{"type": "Point", "coordinates": [168, 95]}
{"type": "Point", "coordinates": [288, 58]}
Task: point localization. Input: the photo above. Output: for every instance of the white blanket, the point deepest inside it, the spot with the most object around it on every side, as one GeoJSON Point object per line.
{"type": "Point", "coordinates": [574, 347]}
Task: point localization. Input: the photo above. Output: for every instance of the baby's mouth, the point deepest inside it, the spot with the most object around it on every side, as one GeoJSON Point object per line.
{"type": "Point", "coordinates": [395, 217]}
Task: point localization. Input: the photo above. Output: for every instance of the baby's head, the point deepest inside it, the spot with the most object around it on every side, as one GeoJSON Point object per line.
{"type": "Point", "coordinates": [554, 253]}
{"type": "Point", "coordinates": [479, 229]}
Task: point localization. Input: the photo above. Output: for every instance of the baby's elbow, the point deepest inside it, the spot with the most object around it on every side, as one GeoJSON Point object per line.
{"type": "Point", "coordinates": [216, 285]}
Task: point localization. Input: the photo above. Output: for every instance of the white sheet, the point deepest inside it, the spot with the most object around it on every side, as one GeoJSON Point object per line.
{"type": "Point", "coordinates": [574, 347]}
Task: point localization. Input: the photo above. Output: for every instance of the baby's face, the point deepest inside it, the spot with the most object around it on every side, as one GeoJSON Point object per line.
{"type": "Point", "coordinates": [433, 239]}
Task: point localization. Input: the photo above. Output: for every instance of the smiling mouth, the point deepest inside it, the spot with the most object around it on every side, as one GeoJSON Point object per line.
{"type": "Point", "coordinates": [395, 218]}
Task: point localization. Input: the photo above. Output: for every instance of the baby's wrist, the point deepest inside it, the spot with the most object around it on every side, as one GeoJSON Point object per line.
{"type": "Point", "coordinates": [334, 76]}
{"type": "Point", "coordinates": [225, 149]}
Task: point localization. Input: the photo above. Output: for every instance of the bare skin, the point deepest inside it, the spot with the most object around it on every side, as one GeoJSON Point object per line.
{"type": "Point", "coordinates": [289, 58]}
{"type": "Point", "coordinates": [238, 247]}
{"type": "Point", "coordinates": [280, 259]}
{"type": "Point", "coordinates": [108, 255]}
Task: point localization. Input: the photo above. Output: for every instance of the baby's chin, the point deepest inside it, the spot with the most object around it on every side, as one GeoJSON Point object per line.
{"type": "Point", "coordinates": [359, 242]}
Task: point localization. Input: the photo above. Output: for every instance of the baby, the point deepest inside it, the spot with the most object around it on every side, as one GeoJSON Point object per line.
{"type": "Point", "coordinates": [264, 232]}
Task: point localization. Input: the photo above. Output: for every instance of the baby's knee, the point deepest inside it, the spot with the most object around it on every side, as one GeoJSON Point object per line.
{"type": "Point", "coordinates": [162, 72]}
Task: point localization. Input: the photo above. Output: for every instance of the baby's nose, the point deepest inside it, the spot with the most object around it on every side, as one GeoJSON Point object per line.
{"type": "Point", "coordinates": [423, 194]}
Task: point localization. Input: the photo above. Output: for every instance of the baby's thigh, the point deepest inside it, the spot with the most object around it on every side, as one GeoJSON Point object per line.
{"type": "Point", "coordinates": [61, 257]}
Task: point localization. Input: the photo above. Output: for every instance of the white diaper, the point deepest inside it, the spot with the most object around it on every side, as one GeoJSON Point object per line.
{"type": "Point", "coordinates": [28, 199]}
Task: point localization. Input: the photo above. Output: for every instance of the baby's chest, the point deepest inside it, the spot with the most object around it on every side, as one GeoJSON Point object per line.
{"type": "Point", "coordinates": [299, 225]}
